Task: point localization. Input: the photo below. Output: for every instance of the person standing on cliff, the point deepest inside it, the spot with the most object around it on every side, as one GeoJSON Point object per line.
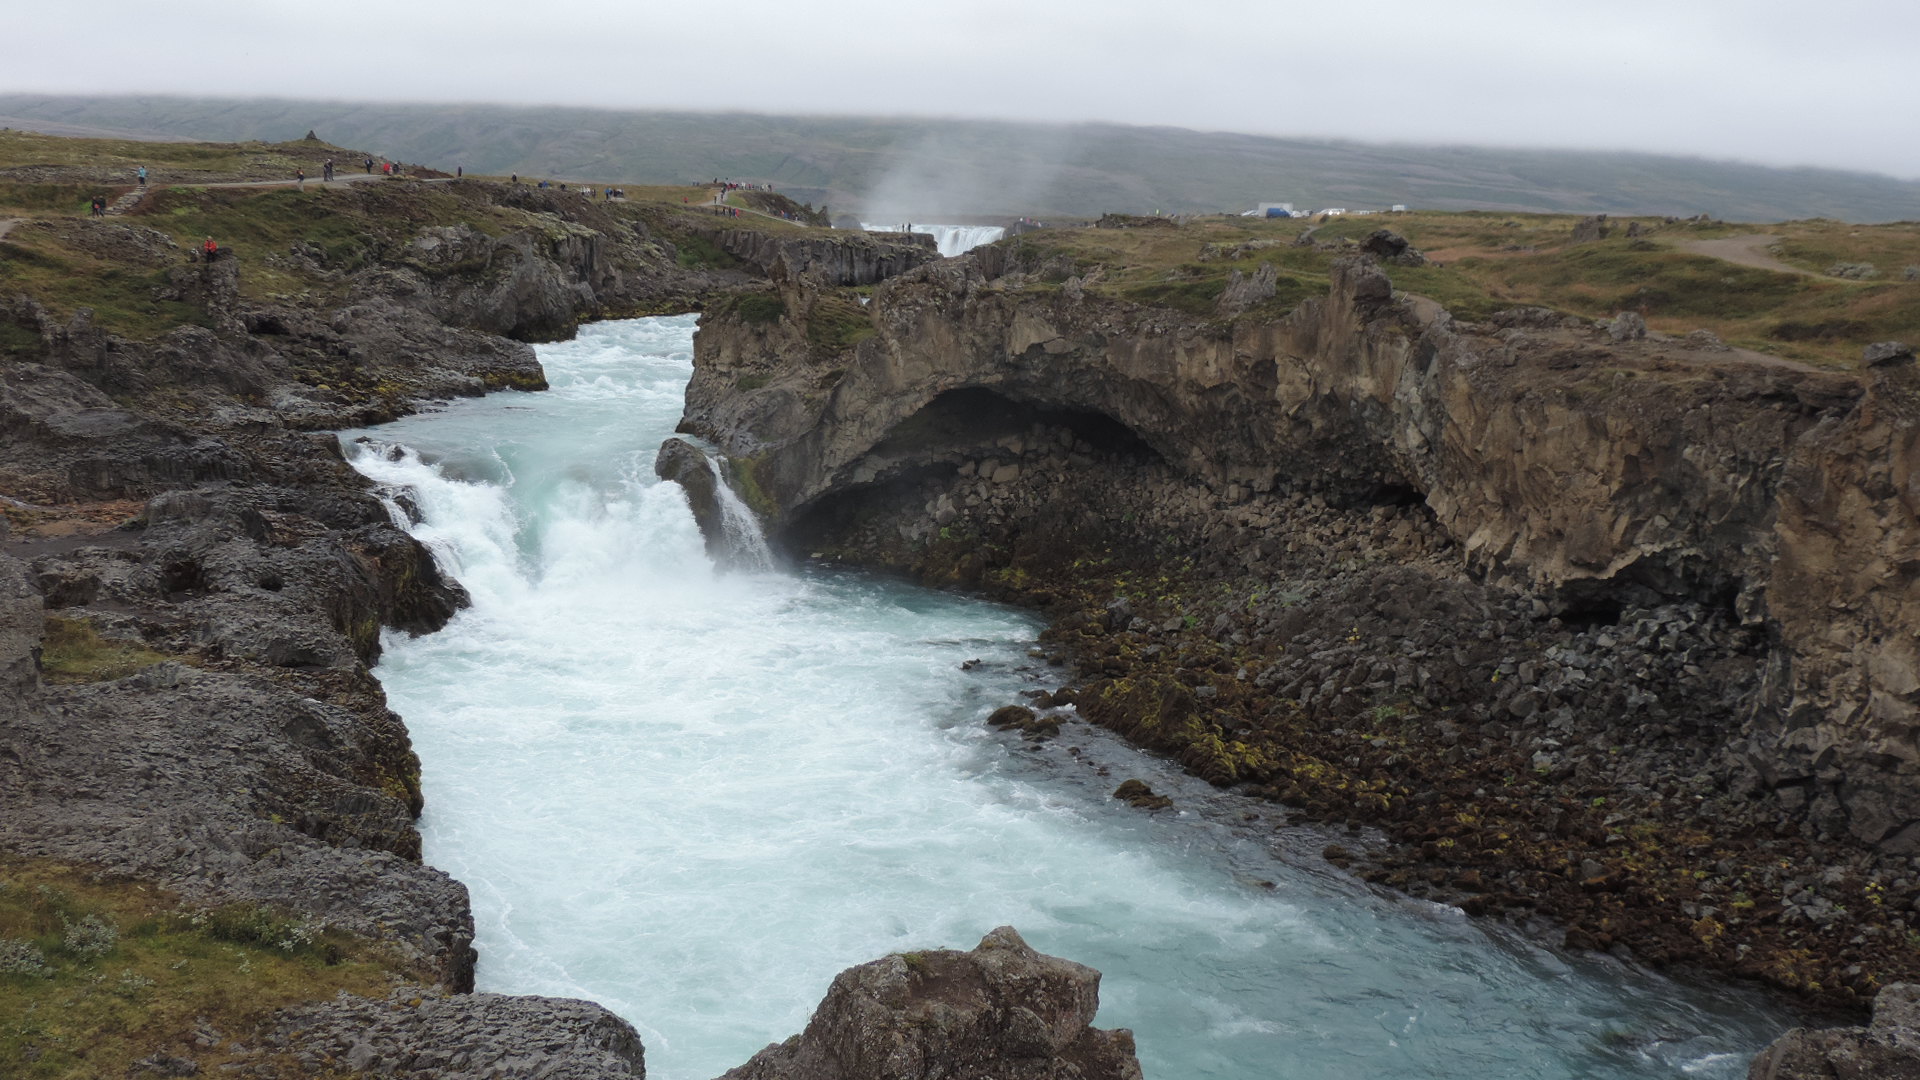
{"type": "Point", "coordinates": [141, 172]}
{"type": "Point", "coordinates": [210, 250]}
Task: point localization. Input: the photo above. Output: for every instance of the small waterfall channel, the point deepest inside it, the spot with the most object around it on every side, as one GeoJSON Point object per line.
{"type": "Point", "coordinates": [695, 796]}
{"type": "Point", "coordinates": [746, 544]}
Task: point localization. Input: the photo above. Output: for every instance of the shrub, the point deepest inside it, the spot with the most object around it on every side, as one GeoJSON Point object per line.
{"type": "Point", "coordinates": [23, 958]}
{"type": "Point", "coordinates": [89, 938]}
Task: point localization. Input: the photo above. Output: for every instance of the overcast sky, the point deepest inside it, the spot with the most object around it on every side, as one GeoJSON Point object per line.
{"type": "Point", "coordinates": [1830, 83]}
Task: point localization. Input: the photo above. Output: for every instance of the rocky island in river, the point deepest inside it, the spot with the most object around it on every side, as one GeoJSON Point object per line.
{"type": "Point", "coordinates": [1604, 627]}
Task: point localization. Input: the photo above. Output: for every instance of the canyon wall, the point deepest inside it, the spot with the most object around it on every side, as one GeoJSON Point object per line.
{"type": "Point", "coordinates": [1591, 473]}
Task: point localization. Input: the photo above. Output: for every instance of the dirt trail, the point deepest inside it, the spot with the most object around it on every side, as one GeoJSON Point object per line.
{"type": "Point", "coordinates": [6, 224]}
{"type": "Point", "coordinates": [1744, 251]}
{"type": "Point", "coordinates": [125, 203]}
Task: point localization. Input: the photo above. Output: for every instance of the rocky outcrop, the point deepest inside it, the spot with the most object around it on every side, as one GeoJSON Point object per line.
{"type": "Point", "coordinates": [417, 1032]}
{"type": "Point", "coordinates": [1000, 1012]}
{"type": "Point", "coordinates": [1599, 473]}
{"type": "Point", "coordinates": [687, 465]}
{"type": "Point", "coordinates": [215, 581]}
{"type": "Point", "coordinates": [846, 257]}
{"type": "Point", "coordinates": [1888, 1049]}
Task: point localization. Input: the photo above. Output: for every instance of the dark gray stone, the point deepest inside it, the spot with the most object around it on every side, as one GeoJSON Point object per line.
{"type": "Point", "coordinates": [1887, 353]}
{"type": "Point", "coordinates": [1000, 1012]}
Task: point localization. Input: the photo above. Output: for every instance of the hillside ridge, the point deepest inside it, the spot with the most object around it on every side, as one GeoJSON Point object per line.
{"type": "Point", "coordinates": [981, 167]}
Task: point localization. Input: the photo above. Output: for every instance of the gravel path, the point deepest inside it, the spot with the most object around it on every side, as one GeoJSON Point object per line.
{"type": "Point", "coordinates": [1744, 251]}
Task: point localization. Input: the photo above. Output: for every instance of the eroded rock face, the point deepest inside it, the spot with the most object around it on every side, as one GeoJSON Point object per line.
{"type": "Point", "coordinates": [418, 1033]}
{"type": "Point", "coordinates": [1888, 1049]}
{"type": "Point", "coordinates": [847, 257]}
{"type": "Point", "coordinates": [1000, 1012]}
{"type": "Point", "coordinates": [1591, 471]}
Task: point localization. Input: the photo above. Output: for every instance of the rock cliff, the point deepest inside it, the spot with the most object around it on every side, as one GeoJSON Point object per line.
{"type": "Point", "coordinates": [1660, 594]}
{"type": "Point", "coordinates": [1598, 475]}
{"type": "Point", "coordinates": [204, 581]}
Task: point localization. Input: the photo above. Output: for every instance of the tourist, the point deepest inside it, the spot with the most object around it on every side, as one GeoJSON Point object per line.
{"type": "Point", "coordinates": [369, 166]}
{"type": "Point", "coordinates": [210, 250]}
{"type": "Point", "coordinates": [142, 173]}
{"type": "Point", "coordinates": [459, 171]}
{"type": "Point", "coordinates": [99, 206]}
{"type": "Point", "coordinates": [300, 177]}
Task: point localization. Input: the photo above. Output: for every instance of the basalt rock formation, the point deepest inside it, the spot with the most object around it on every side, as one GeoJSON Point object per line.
{"type": "Point", "coordinates": [1647, 587]}
{"type": "Point", "coordinates": [1000, 1012]}
{"type": "Point", "coordinates": [1595, 475]}
{"type": "Point", "coordinates": [847, 258]}
{"type": "Point", "coordinates": [204, 581]}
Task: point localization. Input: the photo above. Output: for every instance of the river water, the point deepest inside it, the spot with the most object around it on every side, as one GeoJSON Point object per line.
{"type": "Point", "coordinates": [696, 796]}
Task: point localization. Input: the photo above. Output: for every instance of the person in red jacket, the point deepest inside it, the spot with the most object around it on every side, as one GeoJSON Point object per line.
{"type": "Point", "coordinates": [211, 250]}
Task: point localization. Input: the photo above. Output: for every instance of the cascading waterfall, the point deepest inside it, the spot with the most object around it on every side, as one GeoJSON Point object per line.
{"type": "Point", "coordinates": [696, 796]}
{"type": "Point", "coordinates": [950, 239]}
{"type": "Point", "coordinates": [746, 544]}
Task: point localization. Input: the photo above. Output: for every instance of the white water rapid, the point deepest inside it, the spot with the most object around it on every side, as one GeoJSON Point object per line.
{"type": "Point", "coordinates": [695, 796]}
{"type": "Point", "coordinates": [950, 239]}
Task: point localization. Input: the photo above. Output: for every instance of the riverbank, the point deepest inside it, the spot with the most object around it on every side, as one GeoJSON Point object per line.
{"type": "Point", "coordinates": [1553, 606]}
{"type": "Point", "coordinates": [195, 584]}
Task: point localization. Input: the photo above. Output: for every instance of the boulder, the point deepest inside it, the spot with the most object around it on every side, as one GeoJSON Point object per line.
{"type": "Point", "coordinates": [1591, 230]}
{"type": "Point", "coordinates": [686, 464]}
{"type": "Point", "coordinates": [1243, 292]}
{"type": "Point", "coordinates": [1000, 1012]}
{"type": "Point", "coordinates": [1887, 353]}
{"type": "Point", "coordinates": [1136, 793]}
{"type": "Point", "coordinates": [1389, 246]}
{"type": "Point", "coordinates": [1627, 326]}
{"type": "Point", "coordinates": [1887, 1049]}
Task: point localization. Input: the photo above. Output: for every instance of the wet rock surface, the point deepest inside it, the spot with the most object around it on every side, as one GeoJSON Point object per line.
{"type": "Point", "coordinates": [1000, 1012]}
{"type": "Point", "coordinates": [1886, 1049]}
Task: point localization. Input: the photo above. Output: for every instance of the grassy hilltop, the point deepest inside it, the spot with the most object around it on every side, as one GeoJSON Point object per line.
{"type": "Point", "coordinates": [959, 167]}
{"type": "Point", "coordinates": [1486, 262]}
{"type": "Point", "coordinates": [1788, 305]}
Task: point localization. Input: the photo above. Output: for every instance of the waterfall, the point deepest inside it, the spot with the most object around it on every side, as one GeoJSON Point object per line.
{"type": "Point", "coordinates": [695, 796]}
{"type": "Point", "coordinates": [950, 239]}
{"type": "Point", "coordinates": [746, 545]}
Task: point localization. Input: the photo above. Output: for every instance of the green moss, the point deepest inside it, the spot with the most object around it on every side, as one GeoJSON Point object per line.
{"type": "Point", "coordinates": [50, 198]}
{"type": "Point", "coordinates": [744, 475]}
{"type": "Point", "coordinates": [74, 652]}
{"type": "Point", "coordinates": [121, 297]}
{"type": "Point", "coordinates": [693, 251]}
{"type": "Point", "coordinates": [105, 973]}
{"type": "Point", "coordinates": [18, 342]}
{"type": "Point", "coordinates": [759, 308]}
{"type": "Point", "coordinates": [837, 323]}
{"type": "Point", "coordinates": [1193, 297]}
{"type": "Point", "coordinates": [753, 381]}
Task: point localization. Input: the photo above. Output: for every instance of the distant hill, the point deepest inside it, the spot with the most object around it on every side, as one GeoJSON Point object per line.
{"type": "Point", "coordinates": [901, 169]}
